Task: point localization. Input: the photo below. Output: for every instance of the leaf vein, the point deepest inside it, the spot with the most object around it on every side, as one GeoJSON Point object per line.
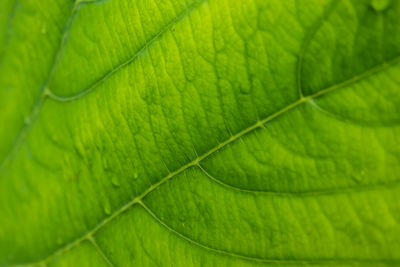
{"type": "Point", "coordinates": [257, 259]}
{"type": "Point", "coordinates": [132, 59]}
{"type": "Point", "coordinates": [232, 139]}
{"type": "Point", "coordinates": [101, 252]}
{"type": "Point", "coordinates": [309, 193]}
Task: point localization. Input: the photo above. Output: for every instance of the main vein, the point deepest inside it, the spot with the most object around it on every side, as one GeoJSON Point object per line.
{"type": "Point", "coordinates": [232, 139]}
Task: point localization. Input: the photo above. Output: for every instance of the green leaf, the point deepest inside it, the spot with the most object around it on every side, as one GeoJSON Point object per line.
{"type": "Point", "coordinates": [199, 133]}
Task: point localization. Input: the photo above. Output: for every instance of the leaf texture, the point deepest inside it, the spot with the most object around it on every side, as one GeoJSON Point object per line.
{"type": "Point", "coordinates": [199, 133]}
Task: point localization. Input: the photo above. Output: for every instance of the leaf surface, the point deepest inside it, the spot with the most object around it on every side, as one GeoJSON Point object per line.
{"type": "Point", "coordinates": [199, 133]}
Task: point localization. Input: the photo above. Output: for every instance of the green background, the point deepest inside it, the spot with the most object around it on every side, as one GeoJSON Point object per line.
{"type": "Point", "coordinates": [199, 133]}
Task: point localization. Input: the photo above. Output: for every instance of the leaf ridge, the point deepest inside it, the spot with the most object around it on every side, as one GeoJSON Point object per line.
{"type": "Point", "coordinates": [339, 117]}
{"type": "Point", "coordinates": [132, 59]}
{"type": "Point", "coordinates": [44, 90]}
{"type": "Point", "coordinates": [310, 193]}
{"type": "Point", "coordinates": [316, 26]}
{"type": "Point", "coordinates": [251, 258]}
{"type": "Point", "coordinates": [9, 24]}
{"type": "Point", "coordinates": [101, 252]}
{"type": "Point", "coordinates": [194, 242]}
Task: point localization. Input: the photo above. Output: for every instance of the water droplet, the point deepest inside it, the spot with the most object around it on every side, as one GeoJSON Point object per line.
{"type": "Point", "coordinates": [115, 181]}
{"type": "Point", "coordinates": [380, 5]}
{"type": "Point", "coordinates": [181, 218]}
{"type": "Point", "coordinates": [27, 120]}
{"type": "Point", "coordinates": [105, 164]}
{"type": "Point", "coordinates": [107, 207]}
{"type": "Point", "coordinates": [135, 175]}
{"type": "Point", "coordinates": [357, 178]}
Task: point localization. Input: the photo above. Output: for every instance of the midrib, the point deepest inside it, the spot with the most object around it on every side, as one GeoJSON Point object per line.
{"type": "Point", "coordinates": [215, 149]}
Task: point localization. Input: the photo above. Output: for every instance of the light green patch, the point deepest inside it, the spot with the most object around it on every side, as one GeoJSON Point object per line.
{"type": "Point", "coordinates": [380, 5]}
